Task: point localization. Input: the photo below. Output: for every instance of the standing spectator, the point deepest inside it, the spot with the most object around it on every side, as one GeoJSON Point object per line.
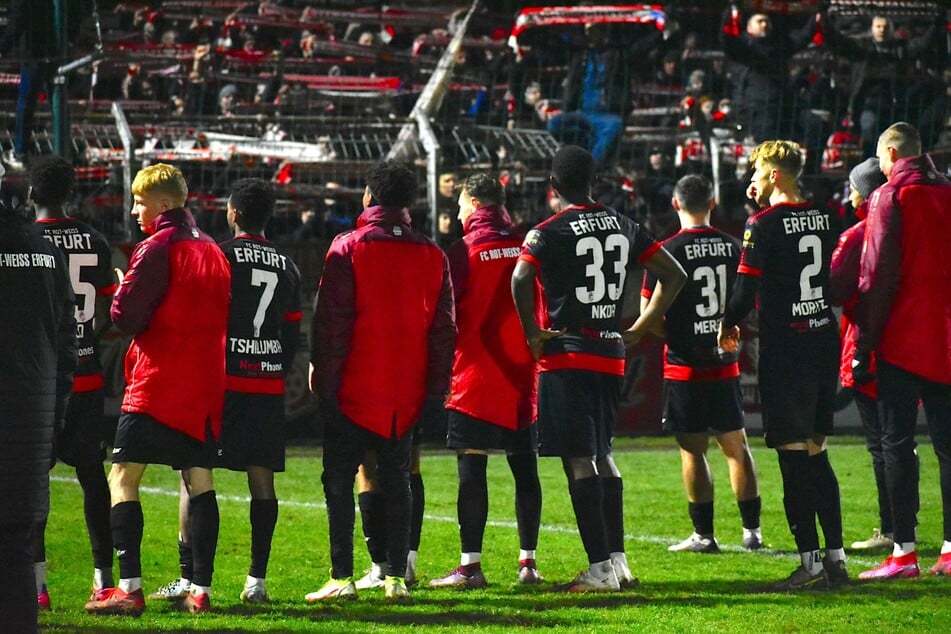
{"type": "Point", "coordinates": [882, 68]}
{"type": "Point", "coordinates": [701, 384]}
{"type": "Point", "coordinates": [758, 60]}
{"type": "Point", "coordinates": [38, 337]}
{"type": "Point", "coordinates": [597, 93]}
{"type": "Point", "coordinates": [492, 397]}
{"type": "Point", "coordinates": [174, 300]}
{"type": "Point", "coordinates": [83, 438]}
{"type": "Point", "coordinates": [844, 279]}
{"type": "Point", "coordinates": [904, 307]}
{"type": "Point", "coordinates": [581, 257]}
{"type": "Point", "coordinates": [784, 270]}
{"type": "Point", "coordinates": [379, 279]}
{"type": "Point", "coordinates": [29, 32]}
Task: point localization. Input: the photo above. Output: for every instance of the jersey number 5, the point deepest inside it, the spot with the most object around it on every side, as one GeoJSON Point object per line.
{"type": "Point", "coordinates": [617, 247]}
{"type": "Point", "coordinates": [85, 292]}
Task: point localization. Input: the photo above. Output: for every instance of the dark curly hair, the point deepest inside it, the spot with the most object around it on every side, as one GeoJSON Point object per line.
{"type": "Point", "coordinates": [392, 184]}
{"type": "Point", "coordinates": [488, 190]}
{"type": "Point", "coordinates": [52, 178]}
{"type": "Point", "coordinates": [573, 167]}
{"type": "Point", "coordinates": [254, 199]}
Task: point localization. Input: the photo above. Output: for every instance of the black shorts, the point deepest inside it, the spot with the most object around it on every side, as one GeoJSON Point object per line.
{"type": "Point", "coordinates": [696, 407]}
{"type": "Point", "coordinates": [86, 431]}
{"type": "Point", "coordinates": [468, 432]}
{"type": "Point", "coordinates": [431, 426]}
{"type": "Point", "coordinates": [577, 411]}
{"type": "Point", "coordinates": [142, 439]}
{"type": "Point", "coordinates": [252, 432]}
{"type": "Point", "coordinates": [798, 380]}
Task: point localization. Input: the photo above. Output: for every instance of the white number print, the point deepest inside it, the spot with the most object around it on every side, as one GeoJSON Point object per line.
{"type": "Point", "coordinates": [617, 247]}
{"type": "Point", "coordinates": [813, 245]}
{"type": "Point", "coordinates": [85, 291]}
{"type": "Point", "coordinates": [714, 289]}
{"type": "Point", "coordinates": [267, 279]}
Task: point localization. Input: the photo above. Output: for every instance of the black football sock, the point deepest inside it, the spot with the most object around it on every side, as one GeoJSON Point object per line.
{"type": "Point", "coordinates": [528, 498]}
{"type": "Point", "coordinates": [419, 506]}
{"type": "Point", "coordinates": [587, 499]}
{"type": "Point", "coordinates": [373, 517]}
{"type": "Point", "coordinates": [186, 560]}
{"type": "Point", "coordinates": [92, 478]}
{"type": "Point", "coordinates": [797, 499]}
{"type": "Point", "coordinates": [263, 521]}
{"type": "Point", "coordinates": [338, 492]}
{"type": "Point", "coordinates": [127, 523]}
{"type": "Point", "coordinates": [203, 510]}
{"type": "Point", "coordinates": [750, 512]}
{"type": "Point", "coordinates": [825, 492]}
{"type": "Point", "coordinates": [395, 484]}
{"type": "Point", "coordinates": [613, 511]}
{"type": "Point", "coordinates": [701, 514]}
{"type": "Point", "coordinates": [39, 540]}
{"type": "Point", "coordinates": [472, 503]}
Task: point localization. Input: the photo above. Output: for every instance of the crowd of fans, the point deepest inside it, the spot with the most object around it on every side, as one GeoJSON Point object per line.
{"type": "Point", "coordinates": [667, 88]}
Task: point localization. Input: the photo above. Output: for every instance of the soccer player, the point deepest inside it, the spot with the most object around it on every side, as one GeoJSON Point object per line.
{"type": "Point", "coordinates": [701, 383]}
{"type": "Point", "coordinates": [844, 279]}
{"type": "Point", "coordinates": [784, 270]}
{"type": "Point", "coordinates": [38, 339]}
{"type": "Point", "coordinates": [383, 335]}
{"type": "Point", "coordinates": [174, 300]}
{"type": "Point", "coordinates": [580, 258]}
{"type": "Point", "coordinates": [904, 316]}
{"type": "Point", "coordinates": [492, 395]}
{"type": "Point", "coordinates": [263, 329]}
{"type": "Point", "coordinates": [82, 440]}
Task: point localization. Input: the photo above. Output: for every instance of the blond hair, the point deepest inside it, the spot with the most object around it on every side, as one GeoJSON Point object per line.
{"type": "Point", "coordinates": [163, 180]}
{"type": "Point", "coordinates": [786, 156]}
{"type": "Point", "coordinates": [903, 137]}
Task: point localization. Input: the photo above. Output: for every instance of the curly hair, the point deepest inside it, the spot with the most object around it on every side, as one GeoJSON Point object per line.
{"type": "Point", "coordinates": [52, 178]}
{"type": "Point", "coordinates": [786, 156]}
{"type": "Point", "coordinates": [573, 167]}
{"type": "Point", "coordinates": [253, 198]}
{"type": "Point", "coordinates": [392, 184]}
{"type": "Point", "coordinates": [488, 190]}
{"type": "Point", "coordinates": [161, 179]}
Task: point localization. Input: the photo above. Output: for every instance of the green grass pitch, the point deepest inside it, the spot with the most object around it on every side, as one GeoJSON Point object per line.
{"type": "Point", "coordinates": [678, 592]}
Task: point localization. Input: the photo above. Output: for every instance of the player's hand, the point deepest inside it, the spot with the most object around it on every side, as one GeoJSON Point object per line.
{"type": "Point", "coordinates": [728, 338]}
{"type": "Point", "coordinates": [862, 367]}
{"type": "Point", "coordinates": [537, 341]}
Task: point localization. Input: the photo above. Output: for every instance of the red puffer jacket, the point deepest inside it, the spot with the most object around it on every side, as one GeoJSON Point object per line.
{"type": "Point", "coordinates": [905, 279]}
{"type": "Point", "coordinates": [384, 324]}
{"type": "Point", "coordinates": [175, 299]}
{"type": "Point", "coordinates": [493, 377]}
{"type": "Point", "coordinates": [844, 282]}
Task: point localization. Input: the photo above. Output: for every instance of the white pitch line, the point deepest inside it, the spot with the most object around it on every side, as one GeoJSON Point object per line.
{"type": "Point", "coordinates": [547, 528]}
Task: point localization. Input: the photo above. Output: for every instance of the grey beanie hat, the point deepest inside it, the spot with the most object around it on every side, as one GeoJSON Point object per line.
{"type": "Point", "coordinates": [866, 177]}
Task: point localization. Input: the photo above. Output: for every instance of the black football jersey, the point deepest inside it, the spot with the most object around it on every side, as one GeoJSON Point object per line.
{"type": "Point", "coordinates": [789, 247]}
{"type": "Point", "coordinates": [710, 258]}
{"type": "Point", "coordinates": [89, 262]}
{"type": "Point", "coordinates": [583, 256]}
{"type": "Point", "coordinates": [265, 297]}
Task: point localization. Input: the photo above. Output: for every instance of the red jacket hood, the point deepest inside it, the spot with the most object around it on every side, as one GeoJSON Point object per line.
{"type": "Point", "coordinates": [383, 216]}
{"type": "Point", "coordinates": [913, 169]}
{"type": "Point", "coordinates": [488, 217]}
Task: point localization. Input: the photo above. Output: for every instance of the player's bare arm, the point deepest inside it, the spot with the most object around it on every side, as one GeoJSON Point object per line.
{"type": "Point", "coordinates": [670, 279]}
{"type": "Point", "coordinates": [523, 292]}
